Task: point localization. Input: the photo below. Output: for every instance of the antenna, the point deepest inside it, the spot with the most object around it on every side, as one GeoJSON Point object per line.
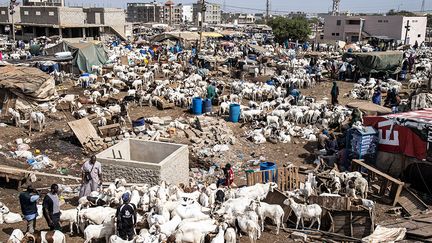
{"type": "Point", "coordinates": [423, 6]}
{"type": "Point", "coordinates": [267, 11]}
{"type": "Point", "coordinates": [335, 9]}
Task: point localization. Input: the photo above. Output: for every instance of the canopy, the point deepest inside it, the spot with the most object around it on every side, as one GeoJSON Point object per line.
{"type": "Point", "coordinates": [212, 35]}
{"type": "Point", "coordinates": [85, 55]}
{"type": "Point", "coordinates": [370, 108]}
{"type": "Point", "coordinates": [181, 36]}
{"type": "Point", "coordinates": [374, 62]}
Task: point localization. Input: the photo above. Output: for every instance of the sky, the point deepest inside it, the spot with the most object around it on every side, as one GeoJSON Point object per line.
{"type": "Point", "coordinates": [281, 6]}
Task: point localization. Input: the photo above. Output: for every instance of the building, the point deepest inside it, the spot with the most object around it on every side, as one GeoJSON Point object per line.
{"type": "Point", "coordinates": [153, 12]}
{"type": "Point", "coordinates": [347, 28]}
{"type": "Point", "coordinates": [68, 22]}
{"type": "Point", "coordinates": [212, 13]}
{"type": "Point", "coordinates": [238, 18]}
{"type": "Point", "coordinates": [144, 12]}
{"type": "Point", "coordinates": [187, 14]}
{"type": "Point", "coordinates": [56, 3]}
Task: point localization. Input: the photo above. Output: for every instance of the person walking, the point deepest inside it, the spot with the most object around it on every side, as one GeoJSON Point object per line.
{"type": "Point", "coordinates": [334, 93]}
{"type": "Point", "coordinates": [91, 174]}
{"type": "Point", "coordinates": [126, 218]}
{"type": "Point", "coordinates": [51, 208]}
{"type": "Point", "coordinates": [28, 202]}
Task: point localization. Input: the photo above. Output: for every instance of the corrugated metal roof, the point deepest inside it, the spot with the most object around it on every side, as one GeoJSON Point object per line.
{"type": "Point", "coordinates": [420, 116]}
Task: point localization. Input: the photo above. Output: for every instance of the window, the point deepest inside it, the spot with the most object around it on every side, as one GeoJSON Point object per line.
{"type": "Point", "coordinates": [415, 21]}
{"type": "Point", "coordinates": [3, 12]}
{"type": "Point", "coordinates": [37, 12]}
{"type": "Point", "coordinates": [25, 12]}
{"type": "Point", "coordinates": [333, 34]}
{"type": "Point", "coordinates": [380, 21]}
{"type": "Point", "coordinates": [337, 34]}
{"type": "Point", "coordinates": [338, 22]}
{"type": "Point", "coordinates": [419, 35]}
{"type": "Point", "coordinates": [354, 22]}
{"type": "Point", "coordinates": [386, 21]}
{"type": "Point", "coordinates": [51, 13]}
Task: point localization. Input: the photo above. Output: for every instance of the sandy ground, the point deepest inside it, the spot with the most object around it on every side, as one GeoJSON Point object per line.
{"type": "Point", "coordinates": [60, 145]}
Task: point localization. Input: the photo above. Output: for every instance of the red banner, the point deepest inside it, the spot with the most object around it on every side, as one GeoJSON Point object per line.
{"type": "Point", "coordinates": [397, 139]}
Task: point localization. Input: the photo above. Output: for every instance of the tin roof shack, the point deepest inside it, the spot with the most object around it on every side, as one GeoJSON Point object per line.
{"type": "Point", "coordinates": [150, 162]}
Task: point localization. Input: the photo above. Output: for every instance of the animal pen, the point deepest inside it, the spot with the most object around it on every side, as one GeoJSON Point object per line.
{"type": "Point", "coordinates": [149, 162]}
{"type": "Point", "coordinates": [286, 178]}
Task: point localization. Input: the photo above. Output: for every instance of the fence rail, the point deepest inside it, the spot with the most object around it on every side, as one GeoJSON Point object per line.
{"type": "Point", "coordinates": [287, 178]}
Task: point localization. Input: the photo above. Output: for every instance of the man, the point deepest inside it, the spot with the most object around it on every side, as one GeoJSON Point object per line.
{"type": "Point", "coordinates": [28, 202]}
{"type": "Point", "coordinates": [334, 93]}
{"type": "Point", "coordinates": [322, 138]}
{"type": "Point", "coordinates": [126, 218]}
{"type": "Point", "coordinates": [211, 91]}
{"type": "Point", "coordinates": [376, 98]}
{"type": "Point", "coordinates": [296, 94]}
{"type": "Point", "coordinates": [51, 208]}
{"type": "Point", "coordinates": [91, 174]}
{"type": "Point", "coordinates": [331, 145]}
{"type": "Point", "coordinates": [342, 70]}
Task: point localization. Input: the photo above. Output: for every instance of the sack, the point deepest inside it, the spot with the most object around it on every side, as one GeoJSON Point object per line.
{"type": "Point", "coordinates": [87, 176]}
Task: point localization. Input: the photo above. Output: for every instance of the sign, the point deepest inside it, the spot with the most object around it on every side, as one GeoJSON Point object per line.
{"type": "Point", "coordinates": [429, 145]}
{"type": "Point", "coordinates": [393, 138]}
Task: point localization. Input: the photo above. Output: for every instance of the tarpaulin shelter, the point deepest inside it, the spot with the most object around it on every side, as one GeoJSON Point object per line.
{"type": "Point", "coordinates": [377, 62]}
{"type": "Point", "coordinates": [370, 108]}
{"type": "Point", "coordinates": [405, 145]}
{"type": "Point", "coordinates": [85, 55]}
{"type": "Point", "coordinates": [22, 88]}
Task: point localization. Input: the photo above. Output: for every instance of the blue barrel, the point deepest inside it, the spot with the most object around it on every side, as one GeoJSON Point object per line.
{"type": "Point", "coordinates": [138, 122]}
{"type": "Point", "coordinates": [234, 113]}
{"type": "Point", "coordinates": [197, 106]}
{"type": "Point", "coordinates": [273, 170]}
{"type": "Point", "coordinates": [207, 108]}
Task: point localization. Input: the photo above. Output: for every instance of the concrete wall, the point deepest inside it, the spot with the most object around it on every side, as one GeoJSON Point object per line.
{"type": "Point", "coordinates": [390, 26]}
{"type": "Point", "coordinates": [72, 16]}
{"type": "Point", "coordinates": [156, 161]}
{"type": "Point", "coordinates": [48, 15]}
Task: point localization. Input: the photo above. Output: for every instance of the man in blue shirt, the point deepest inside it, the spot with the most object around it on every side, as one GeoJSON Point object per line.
{"type": "Point", "coordinates": [28, 202]}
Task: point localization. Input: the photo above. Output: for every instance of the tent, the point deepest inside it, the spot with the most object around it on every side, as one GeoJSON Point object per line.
{"type": "Point", "coordinates": [375, 62]}
{"type": "Point", "coordinates": [22, 88]}
{"type": "Point", "coordinates": [179, 36]}
{"type": "Point", "coordinates": [85, 55]}
{"type": "Point", "coordinates": [370, 108]}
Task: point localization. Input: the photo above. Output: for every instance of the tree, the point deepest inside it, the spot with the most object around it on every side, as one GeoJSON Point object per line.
{"type": "Point", "coordinates": [405, 13]}
{"type": "Point", "coordinates": [429, 20]}
{"type": "Point", "coordinates": [295, 29]}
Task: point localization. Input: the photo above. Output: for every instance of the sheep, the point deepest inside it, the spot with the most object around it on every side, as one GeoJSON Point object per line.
{"type": "Point", "coordinates": [97, 215]}
{"type": "Point", "coordinates": [219, 238]}
{"type": "Point", "coordinates": [16, 117]}
{"type": "Point", "coordinates": [230, 235]}
{"type": "Point", "coordinates": [305, 211]}
{"type": "Point", "coordinates": [257, 191]}
{"type": "Point", "coordinates": [273, 120]}
{"type": "Point", "coordinates": [57, 237]}
{"type": "Point", "coordinates": [191, 236]}
{"type": "Point", "coordinates": [135, 198]}
{"type": "Point", "coordinates": [39, 118]}
{"type": "Point", "coordinates": [16, 236]}
{"type": "Point", "coordinates": [265, 210]}
{"type": "Point", "coordinates": [234, 206]}
{"type": "Point", "coordinates": [361, 185]}
{"type": "Point", "coordinates": [248, 226]}
{"type": "Point", "coordinates": [168, 228]}
{"type": "Point", "coordinates": [71, 216]}
{"type": "Point", "coordinates": [98, 231]}
{"type": "Point", "coordinates": [8, 217]}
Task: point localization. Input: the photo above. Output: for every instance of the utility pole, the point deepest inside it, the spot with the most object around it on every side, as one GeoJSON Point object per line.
{"type": "Point", "coordinates": [361, 29]}
{"type": "Point", "coordinates": [267, 11]}
{"type": "Point", "coordinates": [407, 29]}
{"type": "Point", "coordinates": [423, 6]}
{"type": "Point", "coordinates": [203, 9]}
{"type": "Point", "coordinates": [12, 12]}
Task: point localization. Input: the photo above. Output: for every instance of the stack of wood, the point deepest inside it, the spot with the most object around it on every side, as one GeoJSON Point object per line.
{"type": "Point", "coordinates": [94, 144]}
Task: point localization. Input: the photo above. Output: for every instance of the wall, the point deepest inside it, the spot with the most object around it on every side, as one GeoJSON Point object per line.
{"type": "Point", "coordinates": [48, 15]}
{"type": "Point", "coordinates": [176, 168]}
{"type": "Point", "coordinates": [417, 31]}
{"type": "Point", "coordinates": [72, 16]}
{"type": "Point", "coordinates": [116, 19]}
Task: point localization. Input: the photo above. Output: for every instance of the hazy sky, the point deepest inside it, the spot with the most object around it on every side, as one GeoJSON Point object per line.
{"type": "Point", "coordinates": [282, 5]}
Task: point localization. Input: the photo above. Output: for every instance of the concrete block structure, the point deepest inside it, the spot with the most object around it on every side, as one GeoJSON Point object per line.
{"type": "Point", "coordinates": [168, 13]}
{"type": "Point", "coordinates": [150, 162]}
{"type": "Point", "coordinates": [212, 13]}
{"type": "Point", "coordinates": [68, 22]}
{"type": "Point", "coordinates": [347, 28]}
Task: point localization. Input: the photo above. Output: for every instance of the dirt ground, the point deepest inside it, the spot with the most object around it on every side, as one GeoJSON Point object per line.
{"type": "Point", "coordinates": [59, 144]}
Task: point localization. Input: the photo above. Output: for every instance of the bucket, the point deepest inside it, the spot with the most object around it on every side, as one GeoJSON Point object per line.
{"type": "Point", "coordinates": [207, 108]}
{"type": "Point", "coordinates": [269, 166]}
{"type": "Point", "coordinates": [234, 113]}
{"type": "Point", "coordinates": [197, 106]}
{"type": "Point", "coordinates": [138, 122]}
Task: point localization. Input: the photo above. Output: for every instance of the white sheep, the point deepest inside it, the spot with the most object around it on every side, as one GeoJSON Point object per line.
{"type": "Point", "coordinates": [16, 117]}
{"type": "Point", "coordinates": [39, 118]}
{"type": "Point", "coordinates": [305, 211]}
{"type": "Point", "coordinates": [230, 235]}
{"type": "Point", "coordinates": [16, 236]}
{"type": "Point", "coordinates": [99, 231]}
{"type": "Point", "coordinates": [219, 238]}
{"type": "Point", "coordinates": [168, 228]}
{"type": "Point", "coordinates": [70, 216]}
{"type": "Point", "coordinates": [274, 212]}
{"type": "Point", "coordinates": [8, 217]}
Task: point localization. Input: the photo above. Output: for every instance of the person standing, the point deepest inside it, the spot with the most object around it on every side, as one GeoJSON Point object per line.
{"type": "Point", "coordinates": [28, 201]}
{"type": "Point", "coordinates": [334, 93]}
{"type": "Point", "coordinates": [342, 70]}
{"type": "Point", "coordinates": [126, 218]}
{"type": "Point", "coordinates": [376, 98]}
{"type": "Point", "coordinates": [229, 175]}
{"type": "Point", "coordinates": [51, 208]}
{"type": "Point", "coordinates": [211, 91]}
{"type": "Point", "coordinates": [91, 174]}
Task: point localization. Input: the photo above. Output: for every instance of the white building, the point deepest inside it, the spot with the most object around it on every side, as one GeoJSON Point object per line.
{"type": "Point", "coordinates": [187, 13]}
{"type": "Point", "coordinates": [347, 28]}
{"type": "Point", "coordinates": [212, 13]}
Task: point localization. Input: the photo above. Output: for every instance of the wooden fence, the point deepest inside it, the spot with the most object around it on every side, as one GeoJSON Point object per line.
{"type": "Point", "coordinates": [287, 178]}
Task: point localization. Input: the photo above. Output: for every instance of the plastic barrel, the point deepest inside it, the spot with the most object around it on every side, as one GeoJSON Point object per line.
{"type": "Point", "coordinates": [138, 122]}
{"type": "Point", "coordinates": [269, 166]}
{"type": "Point", "coordinates": [234, 113]}
{"type": "Point", "coordinates": [197, 106]}
{"type": "Point", "coordinates": [207, 108]}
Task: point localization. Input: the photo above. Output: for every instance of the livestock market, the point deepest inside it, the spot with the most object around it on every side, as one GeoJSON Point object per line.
{"type": "Point", "coordinates": [275, 127]}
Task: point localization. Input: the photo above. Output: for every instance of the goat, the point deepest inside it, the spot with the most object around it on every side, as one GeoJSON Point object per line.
{"type": "Point", "coordinates": [305, 211]}
{"type": "Point", "coordinates": [265, 210]}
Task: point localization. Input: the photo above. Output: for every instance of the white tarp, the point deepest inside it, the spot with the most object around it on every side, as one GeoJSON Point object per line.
{"type": "Point", "coordinates": [383, 234]}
